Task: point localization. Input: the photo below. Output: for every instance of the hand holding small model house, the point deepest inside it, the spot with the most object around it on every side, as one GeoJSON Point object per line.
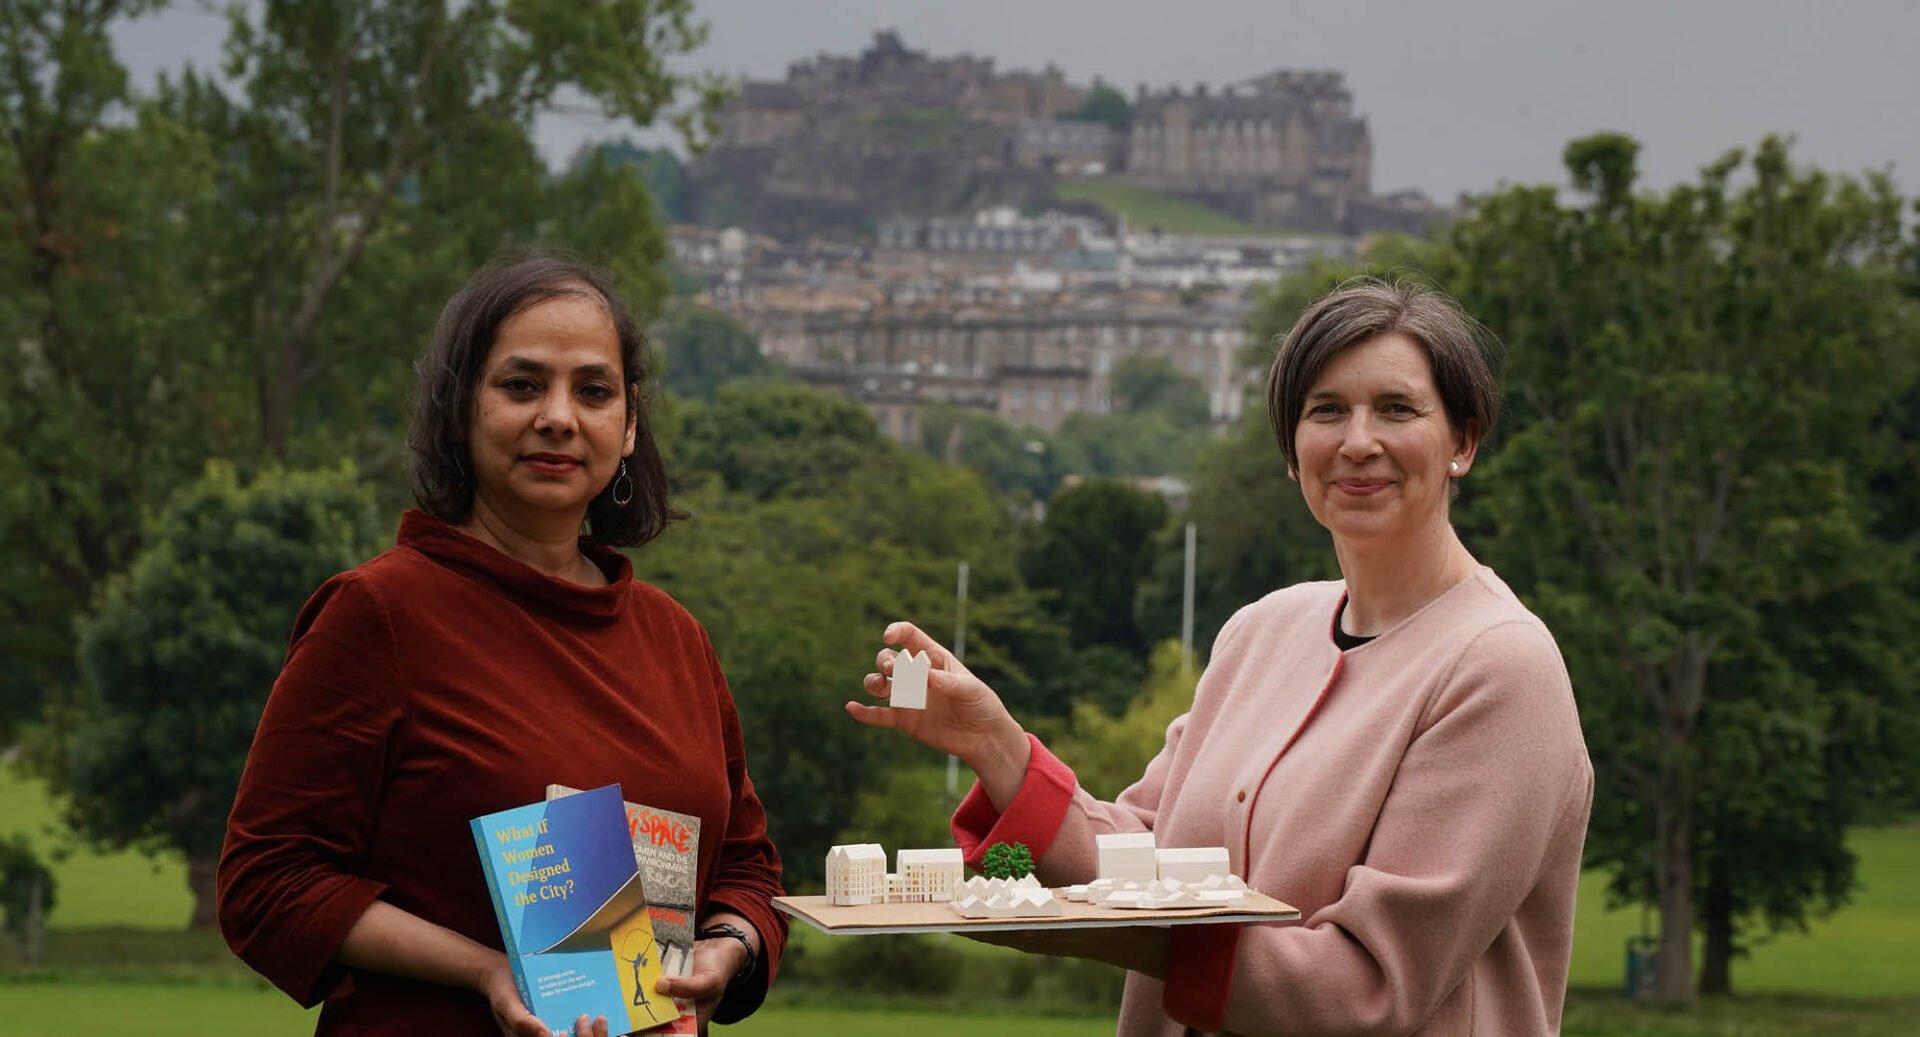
{"type": "Point", "coordinates": [910, 681]}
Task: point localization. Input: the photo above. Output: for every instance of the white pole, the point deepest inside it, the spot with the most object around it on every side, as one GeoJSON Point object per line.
{"type": "Point", "coordinates": [960, 653]}
{"type": "Point", "coordinates": [1186, 609]}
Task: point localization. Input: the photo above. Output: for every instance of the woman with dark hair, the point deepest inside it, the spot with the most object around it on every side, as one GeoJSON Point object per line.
{"type": "Point", "coordinates": [1396, 753]}
{"type": "Point", "coordinates": [495, 650]}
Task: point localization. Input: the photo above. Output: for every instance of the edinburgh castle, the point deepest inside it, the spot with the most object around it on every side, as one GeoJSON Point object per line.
{"type": "Point", "coordinates": [843, 143]}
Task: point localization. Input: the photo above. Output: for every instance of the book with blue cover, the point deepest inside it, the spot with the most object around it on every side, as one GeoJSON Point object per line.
{"type": "Point", "coordinates": [572, 908]}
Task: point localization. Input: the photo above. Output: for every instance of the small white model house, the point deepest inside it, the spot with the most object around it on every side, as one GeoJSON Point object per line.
{"type": "Point", "coordinates": [1214, 891]}
{"type": "Point", "coordinates": [1126, 855]}
{"type": "Point", "coordinates": [926, 875]}
{"type": "Point", "coordinates": [909, 681]}
{"type": "Point", "coordinates": [856, 874]}
{"type": "Point", "coordinates": [1192, 864]}
{"type": "Point", "coordinates": [1005, 898]}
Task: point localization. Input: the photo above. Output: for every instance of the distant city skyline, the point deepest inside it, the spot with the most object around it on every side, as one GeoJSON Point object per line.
{"type": "Point", "coordinates": [1461, 96]}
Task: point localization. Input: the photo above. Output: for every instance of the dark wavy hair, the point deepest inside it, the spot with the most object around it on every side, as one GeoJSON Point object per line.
{"type": "Point", "coordinates": [449, 375]}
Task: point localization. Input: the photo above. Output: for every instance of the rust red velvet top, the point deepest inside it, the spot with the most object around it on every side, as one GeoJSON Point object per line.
{"type": "Point", "coordinates": [444, 680]}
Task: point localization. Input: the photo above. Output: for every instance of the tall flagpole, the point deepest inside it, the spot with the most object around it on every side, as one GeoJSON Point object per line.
{"type": "Point", "coordinates": [960, 653]}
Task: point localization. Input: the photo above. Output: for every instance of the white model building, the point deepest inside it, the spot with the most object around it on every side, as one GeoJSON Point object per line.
{"type": "Point", "coordinates": [856, 874]}
{"type": "Point", "coordinates": [926, 875]}
{"type": "Point", "coordinates": [1023, 897]}
{"type": "Point", "coordinates": [1192, 864]}
{"type": "Point", "coordinates": [909, 681]}
{"type": "Point", "coordinates": [1126, 855]}
{"type": "Point", "coordinates": [1214, 891]}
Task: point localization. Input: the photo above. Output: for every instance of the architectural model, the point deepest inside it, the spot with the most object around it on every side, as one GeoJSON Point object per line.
{"type": "Point", "coordinates": [1126, 855]}
{"type": "Point", "coordinates": [980, 897]}
{"type": "Point", "coordinates": [1213, 891]}
{"type": "Point", "coordinates": [925, 875]}
{"type": "Point", "coordinates": [909, 681]}
{"type": "Point", "coordinates": [1192, 864]}
{"type": "Point", "coordinates": [1174, 878]}
{"type": "Point", "coordinates": [857, 874]}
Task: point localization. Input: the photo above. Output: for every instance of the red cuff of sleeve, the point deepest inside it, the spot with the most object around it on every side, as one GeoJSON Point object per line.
{"type": "Point", "coordinates": [1033, 818]}
{"type": "Point", "coordinates": [1199, 974]}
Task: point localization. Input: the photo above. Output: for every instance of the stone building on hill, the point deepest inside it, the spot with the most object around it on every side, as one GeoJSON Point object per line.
{"type": "Point", "coordinates": [1285, 149]}
{"type": "Point", "coordinates": [1030, 361]}
{"type": "Point", "coordinates": [843, 143]}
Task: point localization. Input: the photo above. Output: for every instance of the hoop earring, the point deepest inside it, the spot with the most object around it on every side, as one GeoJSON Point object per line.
{"type": "Point", "coordinates": [620, 501]}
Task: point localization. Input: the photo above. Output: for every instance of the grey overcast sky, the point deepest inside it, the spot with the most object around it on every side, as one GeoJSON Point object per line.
{"type": "Point", "coordinates": [1461, 94]}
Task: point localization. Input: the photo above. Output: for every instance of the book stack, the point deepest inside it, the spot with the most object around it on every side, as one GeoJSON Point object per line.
{"type": "Point", "coordinates": [570, 887]}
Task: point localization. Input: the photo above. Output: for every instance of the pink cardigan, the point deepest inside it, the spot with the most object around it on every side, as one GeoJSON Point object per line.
{"type": "Point", "coordinates": [1422, 799]}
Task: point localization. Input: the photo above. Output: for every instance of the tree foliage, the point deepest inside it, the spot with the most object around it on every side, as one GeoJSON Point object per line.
{"type": "Point", "coordinates": [178, 655]}
{"type": "Point", "coordinates": [1103, 104]}
{"type": "Point", "coordinates": [1143, 382]}
{"type": "Point", "coordinates": [23, 877]}
{"type": "Point", "coordinates": [701, 349]}
{"type": "Point", "coordinates": [811, 532]}
{"type": "Point", "coordinates": [1683, 492]}
{"type": "Point", "coordinates": [1091, 553]}
{"type": "Point", "coordinates": [109, 391]}
{"type": "Point", "coordinates": [1109, 752]}
{"type": "Point", "coordinates": [245, 265]}
{"type": "Point", "coordinates": [1007, 861]}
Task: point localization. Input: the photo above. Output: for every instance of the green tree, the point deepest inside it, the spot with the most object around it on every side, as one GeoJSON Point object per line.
{"type": "Point", "coordinates": [1681, 490]}
{"type": "Point", "coordinates": [765, 440]}
{"type": "Point", "coordinates": [27, 888]}
{"type": "Point", "coordinates": [1007, 861]}
{"type": "Point", "coordinates": [1103, 104]}
{"type": "Point", "coordinates": [1147, 443]}
{"type": "Point", "coordinates": [110, 391]}
{"type": "Point", "coordinates": [1252, 530]}
{"type": "Point", "coordinates": [1109, 752]}
{"type": "Point", "coordinates": [1143, 382]}
{"type": "Point", "coordinates": [810, 532]}
{"type": "Point", "coordinates": [1091, 553]}
{"type": "Point", "coordinates": [701, 349]}
{"type": "Point", "coordinates": [177, 657]}
{"type": "Point", "coordinates": [349, 116]}
{"type": "Point", "coordinates": [660, 170]}
{"type": "Point", "coordinates": [1027, 464]}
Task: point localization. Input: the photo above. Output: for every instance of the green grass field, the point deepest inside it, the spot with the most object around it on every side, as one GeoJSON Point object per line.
{"type": "Point", "coordinates": [117, 958]}
{"type": "Point", "coordinates": [1146, 209]}
{"type": "Point", "coordinates": [1867, 949]}
{"type": "Point", "coordinates": [121, 889]}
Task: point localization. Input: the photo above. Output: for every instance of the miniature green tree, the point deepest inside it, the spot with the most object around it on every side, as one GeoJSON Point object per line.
{"type": "Point", "coordinates": [1007, 861]}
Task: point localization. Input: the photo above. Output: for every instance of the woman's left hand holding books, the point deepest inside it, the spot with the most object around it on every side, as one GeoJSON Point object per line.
{"type": "Point", "coordinates": [714, 965]}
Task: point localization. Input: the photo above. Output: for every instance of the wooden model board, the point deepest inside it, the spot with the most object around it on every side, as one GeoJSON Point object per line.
{"type": "Point", "coordinates": [940, 917]}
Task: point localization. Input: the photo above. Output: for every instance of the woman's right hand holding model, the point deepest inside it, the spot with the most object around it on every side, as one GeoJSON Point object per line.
{"type": "Point", "coordinates": [962, 717]}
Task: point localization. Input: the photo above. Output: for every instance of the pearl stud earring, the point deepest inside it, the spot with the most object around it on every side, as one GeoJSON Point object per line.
{"type": "Point", "coordinates": [1453, 466]}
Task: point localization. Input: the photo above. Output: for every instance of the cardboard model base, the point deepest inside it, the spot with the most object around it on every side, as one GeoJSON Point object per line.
{"type": "Point", "coordinates": [939, 917]}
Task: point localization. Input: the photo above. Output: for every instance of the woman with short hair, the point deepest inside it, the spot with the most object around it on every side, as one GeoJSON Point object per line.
{"type": "Point", "coordinates": [1395, 753]}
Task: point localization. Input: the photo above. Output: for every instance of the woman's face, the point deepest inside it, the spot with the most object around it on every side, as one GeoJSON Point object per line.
{"type": "Point", "coordinates": [1375, 446]}
{"type": "Point", "coordinates": [550, 415]}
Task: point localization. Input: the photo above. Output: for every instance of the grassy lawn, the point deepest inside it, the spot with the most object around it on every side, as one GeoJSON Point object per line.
{"type": "Point", "coordinates": [122, 889]}
{"type": "Point", "coordinates": [1146, 209]}
{"type": "Point", "coordinates": [1867, 949]}
{"type": "Point", "coordinates": [158, 1009]}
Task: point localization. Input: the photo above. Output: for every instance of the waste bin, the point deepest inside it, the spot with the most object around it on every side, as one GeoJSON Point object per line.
{"type": "Point", "coordinates": [1643, 964]}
